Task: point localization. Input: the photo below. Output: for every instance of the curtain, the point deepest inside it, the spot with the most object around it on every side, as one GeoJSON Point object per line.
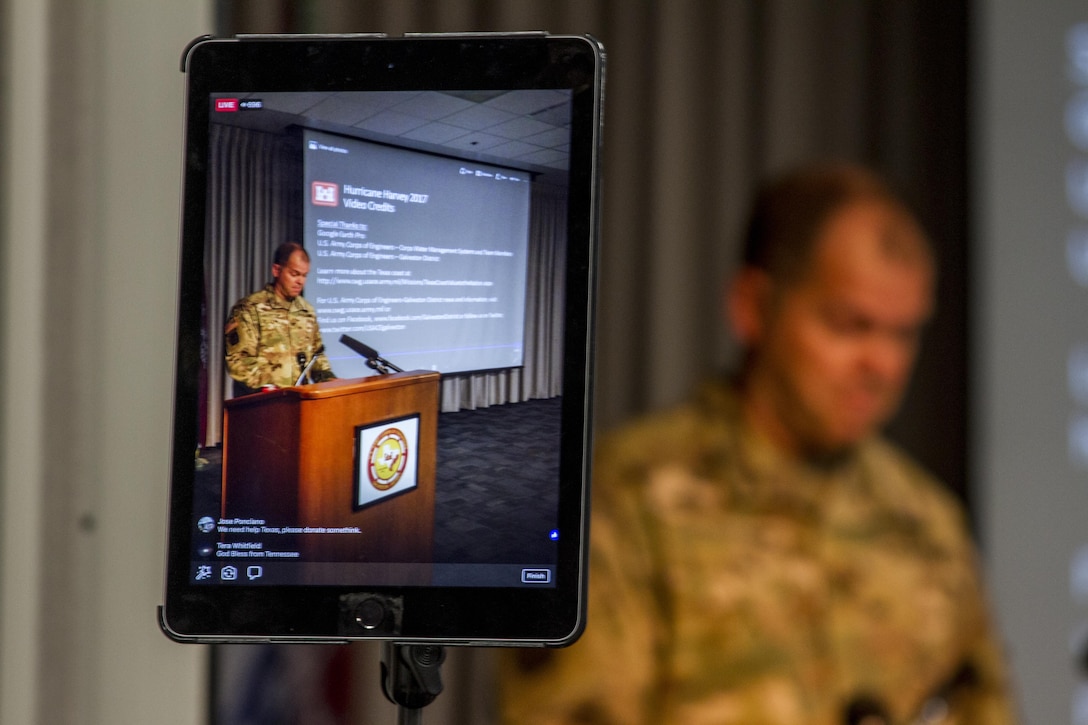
{"type": "Point", "coordinates": [250, 212]}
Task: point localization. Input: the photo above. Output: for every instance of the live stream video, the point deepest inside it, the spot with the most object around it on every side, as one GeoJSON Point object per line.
{"type": "Point", "coordinates": [397, 420]}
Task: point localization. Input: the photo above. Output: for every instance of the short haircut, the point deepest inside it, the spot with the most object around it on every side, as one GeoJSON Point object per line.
{"type": "Point", "coordinates": [283, 253]}
{"type": "Point", "coordinates": [790, 211]}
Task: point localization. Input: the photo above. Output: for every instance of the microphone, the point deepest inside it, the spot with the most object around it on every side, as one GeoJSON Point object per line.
{"type": "Point", "coordinates": [374, 361]}
{"type": "Point", "coordinates": [360, 347]}
{"type": "Point", "coordinates": [305, 366]}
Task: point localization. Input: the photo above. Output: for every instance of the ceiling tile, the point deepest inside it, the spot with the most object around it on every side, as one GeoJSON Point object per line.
{"type": "Point", "coordinates": [518, 128]}
{"type": "Point", "coordinates": [391, 122]}
{"type": "Point", "coordinates": [546, 157]}
{"type": "Point", "coordinates": [432, 105]}
{"type": "Point", "coordinates": [524, 103]}
{"type": "Point", "coordinates": [479, 117]}
{"type": "Point", "coordinates": [437, 133]}
{"type": "Point", "coordinates": [476, 141]}
{"type": "Point", "coordinates": [553, 138]}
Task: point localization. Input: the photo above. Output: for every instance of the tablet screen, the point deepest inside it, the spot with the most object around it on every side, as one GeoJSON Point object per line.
{"type": "Point", "coordinates": [384, 338]}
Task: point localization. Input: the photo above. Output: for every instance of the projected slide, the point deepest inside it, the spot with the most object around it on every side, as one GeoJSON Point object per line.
{"type": "Point", "coordinates": [421, 257]}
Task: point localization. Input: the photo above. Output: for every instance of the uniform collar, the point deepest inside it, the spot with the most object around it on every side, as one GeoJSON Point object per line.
{"type": "Point", "coordinates": [274, 300]}
{"type": "Point", "coordinates": [720, 398]}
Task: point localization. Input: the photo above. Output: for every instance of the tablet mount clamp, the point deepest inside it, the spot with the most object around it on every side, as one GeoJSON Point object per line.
{"type": "Point", "coordinates": [411, 678]}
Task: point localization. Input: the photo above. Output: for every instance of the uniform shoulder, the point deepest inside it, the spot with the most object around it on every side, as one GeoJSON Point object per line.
{"type": "Point", "coordinates": [901, 467]}
{"type": "Point", "coordinates": [680, 436]}
{"type": "Point", "coordinates": [644, 435]}
{"type": "Point", "coordinates": [254, 299]}
{"type": "Point", "coordinates": [906, 485]}
{"type": "Point", "coordinates": [302, 303]}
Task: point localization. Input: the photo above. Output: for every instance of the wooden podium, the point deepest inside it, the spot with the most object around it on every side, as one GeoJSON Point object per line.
{"type": "Point", "coordinates": [292, 457]}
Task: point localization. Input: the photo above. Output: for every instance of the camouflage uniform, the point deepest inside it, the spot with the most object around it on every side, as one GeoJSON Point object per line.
{"type": "Point", "coordinates": [731, 584]}
{"type": "Point", "coordinates": [264, 335]}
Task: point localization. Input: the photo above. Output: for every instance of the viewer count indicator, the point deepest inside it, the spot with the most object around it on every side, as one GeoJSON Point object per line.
{"type": "Point", "coordinates": [233, 105]}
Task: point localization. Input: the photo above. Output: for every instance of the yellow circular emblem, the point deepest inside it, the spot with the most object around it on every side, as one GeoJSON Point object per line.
{"type": "Point", "coordinates": [388, 458]}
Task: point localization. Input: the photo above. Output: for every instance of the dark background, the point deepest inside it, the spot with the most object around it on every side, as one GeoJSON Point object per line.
{"type": "Point", "coordinates": [703, 101]}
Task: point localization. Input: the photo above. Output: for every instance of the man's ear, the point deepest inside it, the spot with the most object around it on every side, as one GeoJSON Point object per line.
{"type": "Point", "coordinates": [747, 304]}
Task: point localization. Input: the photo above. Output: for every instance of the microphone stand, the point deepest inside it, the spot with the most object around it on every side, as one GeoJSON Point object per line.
{"type": "Point", "coordinates": [305, 371]}
{"type": "Point", "coordinates": [306, 367]}
{"type": "Point", "coordinates": [383, 366]}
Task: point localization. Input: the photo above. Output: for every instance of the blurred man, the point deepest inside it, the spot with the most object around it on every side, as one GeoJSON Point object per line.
{"type": "Point", "coordinates": [759, 554]}
{"type": "Point", "coordinates": [272, 335]}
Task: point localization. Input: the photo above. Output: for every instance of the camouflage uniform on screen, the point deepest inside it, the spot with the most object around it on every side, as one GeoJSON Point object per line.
{"type": "Point", "coordinates": [264, 335]}
{"type": "Point", "coordinates": [732, 585]}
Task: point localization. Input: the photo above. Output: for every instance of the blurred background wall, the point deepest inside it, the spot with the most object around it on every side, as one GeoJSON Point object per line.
{"type": "Point", "coordinates": [90, 170]}
{"type": "Point", "coordinates": [1029, 382]}
{"type": "Point", "coordinates": [704, 100]}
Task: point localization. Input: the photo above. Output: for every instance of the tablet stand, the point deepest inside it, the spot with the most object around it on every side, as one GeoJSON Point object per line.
{"type": "Point", "coordinates": [411, 678]}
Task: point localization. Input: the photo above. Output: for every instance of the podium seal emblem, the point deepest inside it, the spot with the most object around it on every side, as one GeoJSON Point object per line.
{"type": "Point", "coordinates": [388, 459]}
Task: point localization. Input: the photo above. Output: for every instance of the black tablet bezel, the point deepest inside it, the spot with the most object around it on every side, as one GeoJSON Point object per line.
{"type": "Point", "coordinates": [462, 615]}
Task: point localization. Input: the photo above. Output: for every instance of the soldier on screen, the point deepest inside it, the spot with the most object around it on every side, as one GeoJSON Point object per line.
{"type": "Point", "coordinates": [272, 335]}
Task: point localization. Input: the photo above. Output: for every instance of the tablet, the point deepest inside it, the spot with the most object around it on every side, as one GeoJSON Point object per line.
{"type": "Point", "coordinates": [384, 341]}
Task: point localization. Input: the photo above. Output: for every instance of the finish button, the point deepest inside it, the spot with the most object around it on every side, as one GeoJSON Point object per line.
{"type": "Point", "coordinates": [536, 576]}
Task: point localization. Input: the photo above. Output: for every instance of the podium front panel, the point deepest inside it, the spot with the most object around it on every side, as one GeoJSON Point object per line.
{"type": "Point", "coordinates": [290, 460]}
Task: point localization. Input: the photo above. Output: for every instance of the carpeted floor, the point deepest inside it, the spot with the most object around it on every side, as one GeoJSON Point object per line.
{"type": "Point", "coordinates": [497, 488]}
